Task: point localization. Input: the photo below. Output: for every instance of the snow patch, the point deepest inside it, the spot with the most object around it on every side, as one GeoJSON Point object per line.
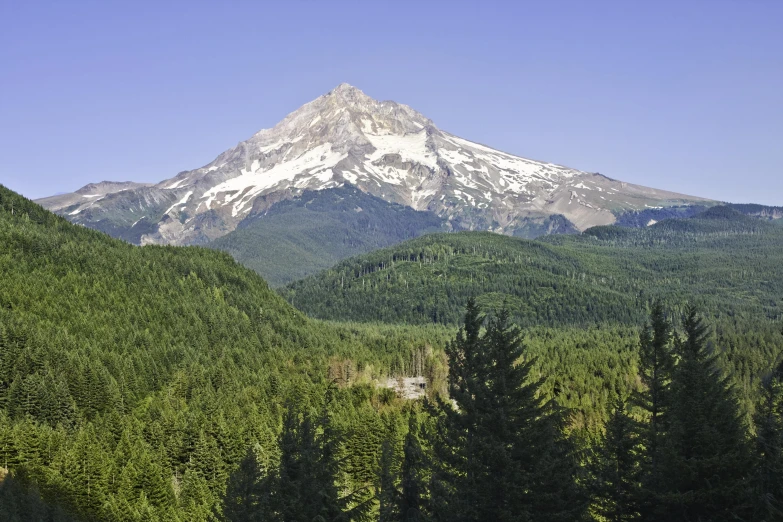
{"type": "Point", "coordinates": [252, 182]}
{"type": "Point", "coordinates": [177, 183]}
{"type": "Point", "coordinates": [411, 147]}
{"type": "Point", "coordinates": [181, 202]}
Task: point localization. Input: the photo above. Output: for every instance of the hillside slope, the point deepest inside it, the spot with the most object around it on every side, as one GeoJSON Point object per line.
{"type": "Point", "coordinates": [724, 261]}
{"type": "Point", "coordinates": [133, 379]}
{"type": "Point", "coordinates": [298, 237]}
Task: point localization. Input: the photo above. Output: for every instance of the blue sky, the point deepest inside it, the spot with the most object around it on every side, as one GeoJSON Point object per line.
{"type": "Point", "coordinates": [685, 96]}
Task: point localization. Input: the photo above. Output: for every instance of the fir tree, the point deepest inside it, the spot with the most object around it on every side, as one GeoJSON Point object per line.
{"type": "Point", "coordinates": [501, 451]}
{"type": "Point", "coordinates": [412, 498]}
{"type": "Point", "coordinates": [388, 476]}
{"type": "Point", "coordinates": [768, 477]}
{"type": "Point", "coordinates": [306, 484]}
{"type": "Point", "coordinates": [617, 470]}
{"type": "Point", "coordinates": [706, 457]}
{"type": "Point", "coordinates": [656, 364]}
{"type": "Point", "coordinates": [243, 494]}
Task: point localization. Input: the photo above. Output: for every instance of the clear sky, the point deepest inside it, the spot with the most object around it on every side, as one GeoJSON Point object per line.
{"type": "Point", "coordinates": [682, 95]}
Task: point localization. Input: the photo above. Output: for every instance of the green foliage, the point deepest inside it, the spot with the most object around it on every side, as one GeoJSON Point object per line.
{"type": "Point", "coordinates": [617, 470]}
{"type": "Point", "coordinates": [501, 454]}
{"type": "Point", "coordinates": [243, 492]}
{"type": "Point", "coordinates": [20, 501]}
{"type": "Point", "coordinates": [768, 478]}
{"type": "Point", "coordinates": [725, 262]}
{"type": "Point", "coordinates": [656, 368]}
{"type": "Point", "coordinates": [580, 298]}
{"type": "Point", "coordinates": [706, 461]}
{"type": "Point", "coordinates": [133, 379]}
{"type": "Point", "coordinates": [295, 238]}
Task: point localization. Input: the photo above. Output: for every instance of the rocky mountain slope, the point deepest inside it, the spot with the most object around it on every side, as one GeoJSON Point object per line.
{"type": "Point", "coordinates": [383, 148]}
{"type": "Point", "coordinates": [306, 234]}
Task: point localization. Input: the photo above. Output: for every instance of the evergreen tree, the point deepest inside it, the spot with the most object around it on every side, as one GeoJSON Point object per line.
{"type": "Point", "coordinates": [306, 484]}
{"type": "Point", "coordinates": [413, 480]}
{"type": "Point", "coordinates": [656, 364]}
{"type": "Point", "coordinates": [243, 494]}
{"type": "Point", "coordinates": [453, 497]}
{"type": "Point", "coordinates": [388, 476]}
{"type": "Point", "coordinates": [501, 451]}
{"type": "Point", "coordinates": [706, 456]}
{"type": "Point", "coordinates": [617, 470]}
{"type": "Point", "coordinates": [20, 501]}
{"type": "Point", "coordinates": [768, 477]}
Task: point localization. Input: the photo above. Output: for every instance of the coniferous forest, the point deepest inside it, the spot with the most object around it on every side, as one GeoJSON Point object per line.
{"type": "Point", "coordinates": [616, 375]}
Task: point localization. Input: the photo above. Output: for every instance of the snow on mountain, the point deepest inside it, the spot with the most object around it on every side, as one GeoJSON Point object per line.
{"type": "Point", "coordinates": [384, 148]}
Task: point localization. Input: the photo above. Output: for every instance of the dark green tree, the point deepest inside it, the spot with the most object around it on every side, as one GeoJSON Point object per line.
{"type": "Point", "coordinates": [501, 451]}
{"type": "Point", "coordinates": [306, 486]}
{"type": "Point", "coordinates": [243, 498]}
{"type": "Point", "coordinates": [387, 492]}
{"type": "Point", "coordinates": [707, 461]}
{"type": "Point", "coordinates": [413, 475]}
{"type": "Point", "coordinates": [617, 468]}
{"type": "Point", "coordinates": [656, 364]}
{"type": "Point", "coordinates": [768, 477]}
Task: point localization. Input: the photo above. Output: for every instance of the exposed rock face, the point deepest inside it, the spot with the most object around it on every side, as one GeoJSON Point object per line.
{"type": "Point", "coordinates": [383, 148]}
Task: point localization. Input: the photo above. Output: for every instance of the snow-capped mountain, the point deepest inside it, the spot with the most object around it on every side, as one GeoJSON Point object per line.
{"type": "Point", "coordinates": [385, 149]}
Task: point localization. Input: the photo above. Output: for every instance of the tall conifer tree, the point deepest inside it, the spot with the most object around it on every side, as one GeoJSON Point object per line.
{"type": "Point", "coordinates": [656, 364]}
{"type": "Point", "coordinates": [412, 499]}
{"type": "Point", "coordinates": [243, 493]}
{"type": "Point", "coordinates": [617, 469]}
{"type": "Point", "coordinates": [768, 477]}
{"type": "Point", "coordinates": [502, 454]}
{"type": "Point", "coordinates": [707, 459]}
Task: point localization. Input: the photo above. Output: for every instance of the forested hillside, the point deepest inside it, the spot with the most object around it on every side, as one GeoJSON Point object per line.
{"type": "Point", "coordinates": [133, 380]}
{"type": "Point", "coordinates": [580, 298]}
{"type": "Point", "coordinates": [295, 238]}
{"type": "Point", "coordinates": [724, 262]}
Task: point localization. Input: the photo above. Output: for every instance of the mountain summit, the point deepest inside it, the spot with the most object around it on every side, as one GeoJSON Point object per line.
{"type": "Point", "coordinates": [383, 148]}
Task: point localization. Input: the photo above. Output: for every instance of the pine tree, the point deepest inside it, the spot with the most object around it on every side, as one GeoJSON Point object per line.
{"type": "Point", "coordinates": [195, 496]}
{"type": "Point", "coordinates": [243, 494]}
{"type": "Point", "coordinates": [617, 469]}
{"type": "Point", "coordinates": [306, 484]}
{"type": "Point", "coordinates": [453, 497]}
{"type": "Point", "coordinates": [388, 475]}
{"type": "Point", "coordinates": [413, 480]}
{"type": "Point", "coordinates": [502, 454]}
{"type": "Point", "coordinates": [656, 364]}
{"type": "Point", "coordinates": [768, 477]}
{"type": "Point", "coordinates": [706, 456]}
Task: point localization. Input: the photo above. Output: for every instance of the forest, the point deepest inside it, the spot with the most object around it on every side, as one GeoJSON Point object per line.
{"type": "Point", "coordinates": [295, 238]}
{"type": "Point", "coordinates": [616, 375]}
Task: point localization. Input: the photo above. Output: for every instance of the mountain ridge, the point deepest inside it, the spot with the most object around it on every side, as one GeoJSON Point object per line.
{"type": "Point", "coordinates": [383, 148]}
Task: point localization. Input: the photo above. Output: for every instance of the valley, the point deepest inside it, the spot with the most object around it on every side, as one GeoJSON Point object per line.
{"type": "Point", "coordinates": [178, 359]}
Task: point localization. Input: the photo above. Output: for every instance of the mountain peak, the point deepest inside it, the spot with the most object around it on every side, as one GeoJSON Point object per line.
{"type": "Point", "coordinates": [349, 96]}
{"type": "Point", "coordinates": [345, 88]}
{"type": "Point", "coordinates": [384, 148]}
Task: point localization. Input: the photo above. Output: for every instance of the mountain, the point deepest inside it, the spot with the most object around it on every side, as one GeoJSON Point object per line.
{"type": "Point", "coordinates": [383, 148]}
{"type": "Point", "coordinates": [722, 260]}
{"type": "Point", "coordinates": [303, 235]}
